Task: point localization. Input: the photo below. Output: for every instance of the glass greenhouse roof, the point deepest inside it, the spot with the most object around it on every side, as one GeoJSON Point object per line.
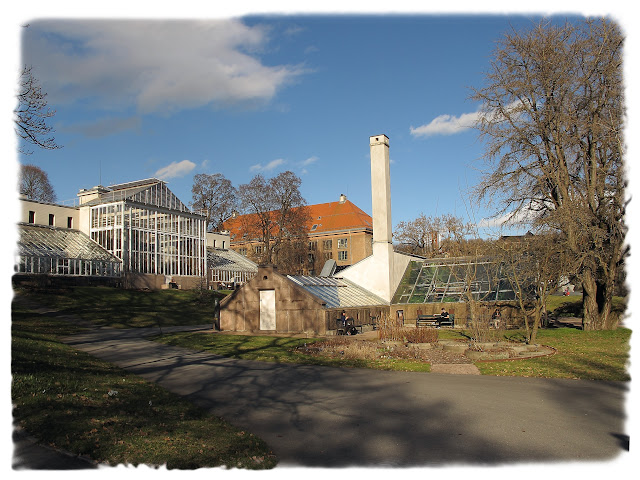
{"type": "Point", "coordinates": [451, 280]}
{"type": "Point", "coordinates": [337, 292]}
{"type": "Point", "coordinates": [220, 259]}
{"type": "Point", "coordinates": [150, 192]}
{"type": "Point", "coordinates": [50, 242]}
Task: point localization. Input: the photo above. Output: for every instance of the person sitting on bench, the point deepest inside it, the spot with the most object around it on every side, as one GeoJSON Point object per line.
{"type": "Point", "coordinates": [444, 313]}
{"type": "Point", "coordinates": [350, 328]}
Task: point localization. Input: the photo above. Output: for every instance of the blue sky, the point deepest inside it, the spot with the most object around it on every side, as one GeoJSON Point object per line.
{"type": "Point", "coordinates": [268, 93]}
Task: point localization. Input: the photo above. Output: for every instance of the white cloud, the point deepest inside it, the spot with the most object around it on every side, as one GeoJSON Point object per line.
{"type": "Point", "coordinates": [158, 66]}
{"type": "Point", "coordinates": [268, 167]}
{"type": "Point", "coordinates": [446, 125]}
{"type": "Point", "coordinates": [525, 216]}
{"type": "Point", "coordinates": [309, 161]}
{"type": "Point", "coordinates": [175, 169]}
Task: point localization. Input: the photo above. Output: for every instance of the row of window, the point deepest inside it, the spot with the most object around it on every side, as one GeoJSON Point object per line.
{"type": "Point", "coordinates": [67, 266]}
{"type": "Point", "coordinates": [343, 243]}
{"type": "Point", "coordinates": [52, 219]}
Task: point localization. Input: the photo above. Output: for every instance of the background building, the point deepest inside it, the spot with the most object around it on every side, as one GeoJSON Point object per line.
{"type": "Point", "coordinates": [336, 230]}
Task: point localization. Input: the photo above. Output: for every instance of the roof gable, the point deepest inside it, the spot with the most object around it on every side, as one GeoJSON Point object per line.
{"type": "Point", "coordinates": [150, 192]}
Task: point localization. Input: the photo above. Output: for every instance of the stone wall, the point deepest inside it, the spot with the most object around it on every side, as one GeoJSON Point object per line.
{"type": "Point", "coordinates": [296, 310]}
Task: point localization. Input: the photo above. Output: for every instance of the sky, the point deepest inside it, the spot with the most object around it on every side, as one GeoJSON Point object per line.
{"type": "Point", "coordinates": [170, 97]}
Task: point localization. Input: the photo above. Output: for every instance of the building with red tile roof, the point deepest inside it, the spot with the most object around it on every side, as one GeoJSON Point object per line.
{"type": "Point", "coordinates": [337, 230]}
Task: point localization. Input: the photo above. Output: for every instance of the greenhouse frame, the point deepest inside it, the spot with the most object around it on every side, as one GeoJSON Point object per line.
{"type": "Point", "coordinates": [55, 251]}
{"type": "Point", "coordinates": [150, 229]}
{"type": "Point", "coordinates": [444, 280]}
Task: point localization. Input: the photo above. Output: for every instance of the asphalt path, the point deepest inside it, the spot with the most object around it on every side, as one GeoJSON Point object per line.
{"type": "Point", "coordinates": [337, 417]}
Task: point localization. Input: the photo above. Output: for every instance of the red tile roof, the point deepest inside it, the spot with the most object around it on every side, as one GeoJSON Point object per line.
{"type": "Point", "coordinates": [326, 217]}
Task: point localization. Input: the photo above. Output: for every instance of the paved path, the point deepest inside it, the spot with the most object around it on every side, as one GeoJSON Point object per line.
{"type": "Point", "coordinates": [320, 416]}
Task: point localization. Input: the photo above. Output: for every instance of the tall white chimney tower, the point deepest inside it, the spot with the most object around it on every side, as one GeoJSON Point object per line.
{"type": "Point", "coordinates": [381, 212]}
{"type": "Point", "coordinates": [381, 272]}
{"type": "Point", "coordinates": [380, 189]}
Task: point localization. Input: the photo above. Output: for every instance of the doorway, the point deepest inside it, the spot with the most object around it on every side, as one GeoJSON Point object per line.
{"type": "Point", "coordinates": [267, 309]}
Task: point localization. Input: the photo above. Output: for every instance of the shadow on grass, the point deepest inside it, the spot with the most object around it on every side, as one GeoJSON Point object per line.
{"type": "Point", "coordinates": [120, 308]}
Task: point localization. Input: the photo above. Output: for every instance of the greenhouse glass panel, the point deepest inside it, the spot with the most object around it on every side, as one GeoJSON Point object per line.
{"type": "Point", "coordinates": [449, 280]}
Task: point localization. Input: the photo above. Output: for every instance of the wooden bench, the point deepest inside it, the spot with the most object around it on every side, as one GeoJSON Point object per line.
{"type": "Point", "coordinates": [434, 321]}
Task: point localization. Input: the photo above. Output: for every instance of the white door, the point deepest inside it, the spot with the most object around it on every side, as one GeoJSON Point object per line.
{"type": "Point", "coordinates": [267, 309]}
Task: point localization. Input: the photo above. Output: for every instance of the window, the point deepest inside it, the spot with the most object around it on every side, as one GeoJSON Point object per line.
{"type": "Point", "coordinates": [313, 245]}
{"type": "Point", "coordinates": [328, 255]}
{"type": "Point", "coordinates": [32, 216]}
{"type": "Point", "coordinates": [327, 244]}
{"type": "Point", "coordinates": [242, 251]}
{"type": "Point", "coordinates": [343, 255]}
{"type": "Point", "coordinates": [52, 219]}
{"type": "Point", "coordinates": [343, 242]}
{"type": "Point", "coordinates": [315, 225]}
{"type": "Point", "coordinates": [257, 249]}
{"type": "Point", "coordinates": [69, 222]}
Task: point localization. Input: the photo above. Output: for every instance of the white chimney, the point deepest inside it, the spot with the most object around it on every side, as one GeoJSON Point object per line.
{"type": "Point", "coordinates": [381, 211]}
{"type": "Point", "coordinates": [343, 198]}
{"type": "Point", "coordinates": [380, 188]}
{"type": "Point", "coordinates": [381, 272]}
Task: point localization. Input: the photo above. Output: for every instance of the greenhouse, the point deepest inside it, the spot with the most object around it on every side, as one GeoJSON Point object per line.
{"type": "Point", "coordinates": [55, 251]}
{"type": "Point", "coordinates": [229, 267]}
{"type": "Point", "coordinates": [149, 228]}
{"type": "Point", "coordinates": [453, 280]}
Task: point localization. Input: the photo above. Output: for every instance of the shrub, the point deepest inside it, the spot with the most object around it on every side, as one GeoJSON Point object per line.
{"type": "Point", "coordinates": [421, 335]}
{"type": "Point", "coordinates": [391, 329]}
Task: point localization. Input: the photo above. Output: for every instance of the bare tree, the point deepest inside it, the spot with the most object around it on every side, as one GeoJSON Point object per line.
{"type": "Point", "coordinates": [32, 113]}
{"type": "Point", "coordinates": [276, 216]}
{"type": "Point", "coordinates": [216, 195]}
{"type": "Point", "coordinates": [534, 266]}
{"type": "Point", "coordinates": [552, 116]}
{"type": "Point", "coordinates": [431, 236]}
{"type": "Point", "coordinates": [34, 184]}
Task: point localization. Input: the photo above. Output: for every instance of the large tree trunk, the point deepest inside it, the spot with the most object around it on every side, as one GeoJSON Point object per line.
{"type": "Point", "coordinates": [597, 300]}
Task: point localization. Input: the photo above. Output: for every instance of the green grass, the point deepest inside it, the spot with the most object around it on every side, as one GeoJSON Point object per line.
{"type": "Point", "coordinates": [571, 306]}
{"type": "Point", "coordinates": [119, 308]}
{"type": "Point", "coordinates": [73, 401]}
{"type": "Point", "coordinates": [590, 355]}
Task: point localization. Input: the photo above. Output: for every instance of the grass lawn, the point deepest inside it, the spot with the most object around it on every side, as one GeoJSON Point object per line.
{"type": "Point", "coordinates": [71, 400]}
{"type": "Point", "coordinates": [599, 355]}
{"type": "Point", "coordinates": [119, 308]}
{"type": "Point", "coordinates": [594, 355]}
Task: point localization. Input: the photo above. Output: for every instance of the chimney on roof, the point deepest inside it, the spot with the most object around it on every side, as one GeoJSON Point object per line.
{"type": "Point", "coordinates": [343, 198]}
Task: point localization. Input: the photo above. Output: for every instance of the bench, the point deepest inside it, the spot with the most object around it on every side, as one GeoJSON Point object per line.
{"type": "Point", "coordinates": [434, 321]}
